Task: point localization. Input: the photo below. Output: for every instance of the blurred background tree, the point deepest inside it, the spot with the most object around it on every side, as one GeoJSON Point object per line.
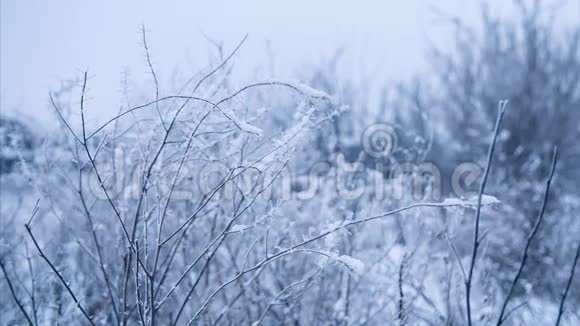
{"type": "Point", "coordinates": [533, 62]}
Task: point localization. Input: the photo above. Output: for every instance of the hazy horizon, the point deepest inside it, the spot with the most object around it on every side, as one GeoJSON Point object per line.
{"type": "Point", "coordinates": [45, 43]}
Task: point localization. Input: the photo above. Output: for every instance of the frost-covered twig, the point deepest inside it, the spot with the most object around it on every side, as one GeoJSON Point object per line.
{"type": "Point", "coordinates": [297, 87]}
{"type": "Point", "coordinates": [292, 249]}
{"type": "Point", "coordinates": [214, 105]}
{"type": "Point", "coordinates": [220, 237]}
{"type": "Point", "coordinates": [309, 279]}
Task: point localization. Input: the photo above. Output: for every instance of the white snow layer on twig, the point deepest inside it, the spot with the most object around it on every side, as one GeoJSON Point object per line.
{"type": "Point", "coordinates": [305, 89]}
{"type": "Point", "coordinates": [353, 264]}
{"type": "Point", "coordinates": [486, 200]}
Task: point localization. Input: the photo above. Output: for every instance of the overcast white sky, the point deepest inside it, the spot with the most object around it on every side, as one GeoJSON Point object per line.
{"type": "Point", "coordinates": [44, 42]}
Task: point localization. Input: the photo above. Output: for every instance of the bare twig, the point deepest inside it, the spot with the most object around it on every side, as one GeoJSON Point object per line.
{"type": "Point", "coordinates": [476, 239]}
{"type": "Point", "coordinates": [148, 56]}
{"type": "Point", "coordinates": [216, 69]}
{"type": "Point", "coordinates": [57, 110]}
{"type": "Point", "coordinates": [14, 296]}
{"type": "Point", "coordinates": [138, 289]}
{"type": "Point", "coordinates": [98, 247]}
{"type": "Point", "coordinates": [59, 276]}
{"type": "Point", "coordinates": [568, 285]}
{"type": "Point", "coordinates": [401, 304]}
{"type": "Point", "coordinates": [456, 257]}
{"type": "Point", "coordinates": [531, 236]}
{"type": "Point", "coordinates": [32, 285]}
